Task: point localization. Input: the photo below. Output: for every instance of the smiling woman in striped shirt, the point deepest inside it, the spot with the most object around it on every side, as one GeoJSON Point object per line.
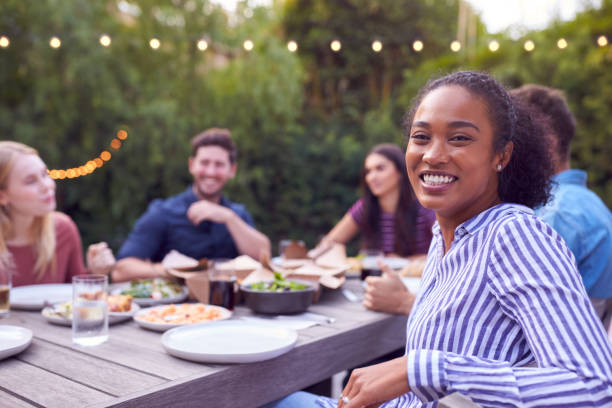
{"type": "Point", "coordinates": [502, 316]}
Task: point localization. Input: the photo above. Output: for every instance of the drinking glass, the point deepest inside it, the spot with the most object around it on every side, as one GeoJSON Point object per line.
{"type": "Point", "coordinates": [89, 310]}
{"type": "Point", "coordinates": [222, 280]}
{"type": "Point", "coordinates": [5, 289]}
{"type": "Point", "coordinates": [369, 265]}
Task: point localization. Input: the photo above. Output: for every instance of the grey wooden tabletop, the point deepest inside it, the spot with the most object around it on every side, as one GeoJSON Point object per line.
{"type": "Point", "coordinates": [132, 369]}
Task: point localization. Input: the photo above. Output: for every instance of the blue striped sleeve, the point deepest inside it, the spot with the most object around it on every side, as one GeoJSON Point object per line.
{"type": "Point", "coordinates": [533, 277]}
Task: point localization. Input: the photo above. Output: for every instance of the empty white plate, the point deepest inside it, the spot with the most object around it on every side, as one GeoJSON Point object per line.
{"type": "Point", "coordinates": [231, 341]}
{"type": "Point", "coordinates": [33, 297]}
{"type": "Point", "coordinates": [13, 340]}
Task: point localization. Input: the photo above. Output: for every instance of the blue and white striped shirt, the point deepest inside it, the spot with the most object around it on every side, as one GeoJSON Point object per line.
{"type": "Point", "coordinates": [504, 319]}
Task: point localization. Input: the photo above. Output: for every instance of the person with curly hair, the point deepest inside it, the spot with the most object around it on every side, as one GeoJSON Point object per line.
{"type": "Point", "coordinates": [502, 316]}
{"type": "Point", "coordinates": [575, 212]}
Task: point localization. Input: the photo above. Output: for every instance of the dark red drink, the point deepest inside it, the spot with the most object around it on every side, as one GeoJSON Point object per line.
{"type": "Point", "coordinates": [222, 292]}
{"type": "Point", "coordinates": [370, 272]}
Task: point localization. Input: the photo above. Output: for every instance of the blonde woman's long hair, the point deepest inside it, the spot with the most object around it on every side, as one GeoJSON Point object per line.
{"type": "Point", "coordinates": [42, 231]}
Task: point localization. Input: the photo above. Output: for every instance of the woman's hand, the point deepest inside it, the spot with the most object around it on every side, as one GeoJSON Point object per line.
{"type": "Point", "coordinates": [388, 293]}
{"type": "Point", "coordinates": [100, 258]}
{"type": "Point", "coordinates": [373, 385]}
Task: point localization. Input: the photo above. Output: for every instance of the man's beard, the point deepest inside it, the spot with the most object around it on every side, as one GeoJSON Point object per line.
{"type": "Point", "coordinates": [214, 197]}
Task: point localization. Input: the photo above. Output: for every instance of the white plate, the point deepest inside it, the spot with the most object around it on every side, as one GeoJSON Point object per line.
{"type": "Point", "coordinates": [113, 317]}
{"type": "Point", "coordinates": [34, 297]}
{"type": "Point", "coordinates": [231, 341]}
{"type": "Point", "coordinates": [13, 340]}
{"type": "Point", "coordinates": [147, 302]}
{"type": "Point", "coordinates": [225, 314]}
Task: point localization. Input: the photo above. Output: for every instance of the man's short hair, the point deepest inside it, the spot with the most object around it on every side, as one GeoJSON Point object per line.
{"type": "Point", "coordinates": [552, 104]}
{"type": "Point", "coordinates": [215, 137]}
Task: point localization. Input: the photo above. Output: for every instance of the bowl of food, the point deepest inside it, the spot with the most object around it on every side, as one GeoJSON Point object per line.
{"type": "Point", "coordinates": [280, 296]}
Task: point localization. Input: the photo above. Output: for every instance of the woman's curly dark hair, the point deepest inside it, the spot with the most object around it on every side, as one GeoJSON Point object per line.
{"type": "Point", "coordinates": [526, 179]}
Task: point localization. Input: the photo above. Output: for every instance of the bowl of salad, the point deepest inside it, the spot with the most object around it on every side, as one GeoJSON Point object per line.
{"type": "Point", "coordinates": [280, 296]}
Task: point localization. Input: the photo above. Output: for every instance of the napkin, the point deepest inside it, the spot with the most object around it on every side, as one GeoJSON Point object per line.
{"type": "Point", "coordinates": [295, 322]}
{"type": "Point", "coordinates": [335, 257]}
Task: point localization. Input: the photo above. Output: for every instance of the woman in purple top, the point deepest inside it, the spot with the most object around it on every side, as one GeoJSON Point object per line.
{"type": "Point", "coordinates": [388, 216]}
{"type": "Point", "coordinates": [390, 219]}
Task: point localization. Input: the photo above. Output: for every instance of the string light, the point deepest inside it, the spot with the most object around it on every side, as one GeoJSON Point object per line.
{"type": "Point", "coordinates": [202, 45]}
{"type": "Point", "coordinates": [562, 43]}
{"type": "Point", "coordinates": [529, 45]}
{"type": "Point", "coordinates": [154, 43]}
{"type": "Point", "coordinates": [105, 40]}
{"type": "Point", "coordinates": [91, 165]}
{"type": "Point", "coordinates": [292, 46]}
{"type": "Point", "coordinates": [335, 45]}
{"type": "Point", "coordinates": [455, 46]}
{"type": "Point", "coordinates": [248, 45]}
{"type": "Point", "coordinates": [417, 45]}
{"type": "Point", "coordinates": [493, 45]}
{"type": "Point", "coordinates": [4, 41]}
{"type": "Point", "coordinates": [602, 41]}
{"type": "Point", "coordinates": [377, 46]}
{"type": "Point", "coordinates": [55, 42]}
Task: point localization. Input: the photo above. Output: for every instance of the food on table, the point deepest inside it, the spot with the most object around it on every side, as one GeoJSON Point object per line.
{"type": "Point", "coordinates": [116, 304]}
{"type": "Point", "coordinates": [279, 284]}
{"type": "Point", "coordinates": [153, 288]}
{"type": "Point", "coordinates": [119, 303]}
{"type": "Point", "coordinates": [181, 314]}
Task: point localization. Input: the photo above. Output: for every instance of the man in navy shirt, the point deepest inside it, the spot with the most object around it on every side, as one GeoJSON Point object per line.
{"type": "Point", "coordinates": [199, 223]}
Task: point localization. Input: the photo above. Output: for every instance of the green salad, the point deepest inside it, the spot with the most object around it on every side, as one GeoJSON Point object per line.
{"type": "Point", "coordinates": [153, 288]}
{"type": "Point", "coordinates": [279, 284]}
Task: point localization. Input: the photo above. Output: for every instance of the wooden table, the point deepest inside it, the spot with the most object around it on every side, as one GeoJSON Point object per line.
{"type": "Point", "coordinates": [132, 369]}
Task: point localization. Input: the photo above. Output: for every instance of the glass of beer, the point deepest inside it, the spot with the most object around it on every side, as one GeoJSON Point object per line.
{"type": "Point", "coordinates": [5, 289]}
{"type": "Point", "coordinates": [89, 310]}
{"type": "Point", "coordinates": [222, 280]}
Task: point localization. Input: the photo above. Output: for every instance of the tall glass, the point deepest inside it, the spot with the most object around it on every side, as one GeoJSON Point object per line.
{"type": "Point", "coordinates": [222, 280]}
{"type": "Point", "coordinates": [5, 289]}
{"type": "Point", "coordinates": [89, 310]}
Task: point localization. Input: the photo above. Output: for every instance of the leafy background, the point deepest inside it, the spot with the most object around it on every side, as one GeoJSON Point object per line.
{"type": "Point", "coordinates": [303, 121]}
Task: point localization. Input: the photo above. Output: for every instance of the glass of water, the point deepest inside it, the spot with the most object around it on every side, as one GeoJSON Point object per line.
{"type": "Point", "coordinates": [89, 310]}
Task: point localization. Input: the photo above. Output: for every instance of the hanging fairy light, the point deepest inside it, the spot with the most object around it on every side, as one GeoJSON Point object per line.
{"type": "Point", "coordinates": [105, 40]}
{"type": "Point", "coordinates": [248, 45]}
{"type": "Point", "coordinates": [202, 45]}
{"type": "Point", "coordinates": [562, 43]}
{"type": "Point", "coordinates": [455, 46]}
{"type": "Point", "coordinates": [529, 46]}
{"type": "Point", "coordinates": [417, 45]}
{"type": "Point", "coordinates": [493, 45]}
{"type": "Point", "coordinates": [154, 43]}
{"type": "Point", "coordinates": [602, 41]}
{"type": "Point", "coordinates": [292, 46]}
{"type": "Point", "coordinates": [335, 45]}
{"type": "Point", "coordinates": [91, 165]}
{"type": "Point", "coordinates": [55, 42]}
{"type": "Point", "coordinates": [4, 41]}
{"type": "Point", "coordinates": [377, 46]}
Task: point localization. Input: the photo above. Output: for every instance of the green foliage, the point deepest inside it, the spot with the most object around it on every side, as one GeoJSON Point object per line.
{"type": "Point", "coordinates": [303, 121]}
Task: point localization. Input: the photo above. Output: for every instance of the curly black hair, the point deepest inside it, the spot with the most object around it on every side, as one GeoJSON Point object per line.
{"type": "Point", "coordinates": [526, 179]}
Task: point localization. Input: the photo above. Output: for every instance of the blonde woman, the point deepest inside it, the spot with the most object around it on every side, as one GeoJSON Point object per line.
{"type": "Point", "coordinates": [38, 244]}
